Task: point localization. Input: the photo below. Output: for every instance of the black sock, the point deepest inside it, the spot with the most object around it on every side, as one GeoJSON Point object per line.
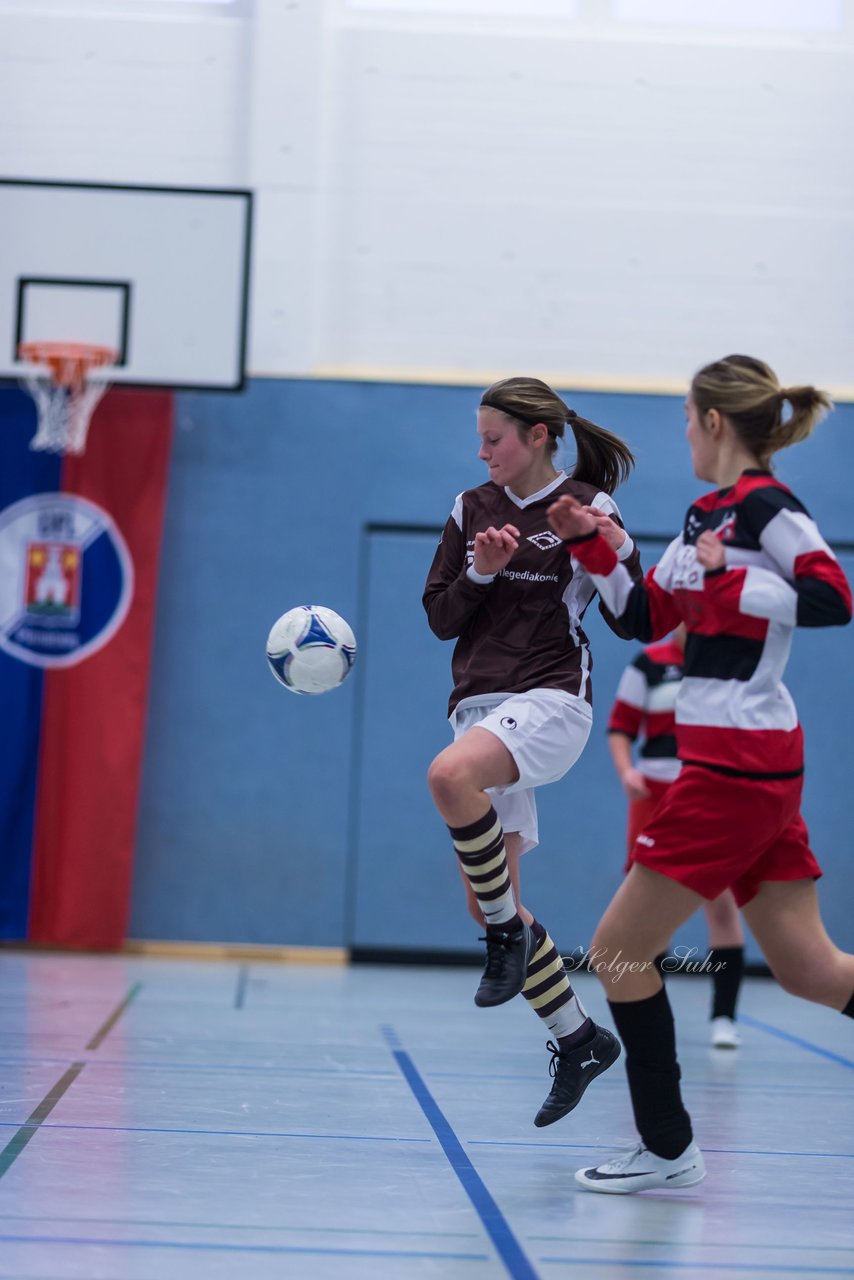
{"type": "Point", "coordinates": [646, 1029]}
{"type": "Point", "coordinates": [727, 972]}
{"type": "Point", "coordinates": [585, 1033]}
{"type": "Point", "coordinates": [849, 1008]}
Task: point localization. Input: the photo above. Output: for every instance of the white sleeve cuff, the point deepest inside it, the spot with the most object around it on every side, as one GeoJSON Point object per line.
{"type": "Point", "coordinates": [626, 549]}
{"type": "Point", "coordinates": [482, 578]}
{"type": "Point", "coordinates": [766, 595]}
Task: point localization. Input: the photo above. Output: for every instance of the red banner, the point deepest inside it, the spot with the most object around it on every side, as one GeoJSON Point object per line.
{"type": "Point", "coordinates": [93, 714]}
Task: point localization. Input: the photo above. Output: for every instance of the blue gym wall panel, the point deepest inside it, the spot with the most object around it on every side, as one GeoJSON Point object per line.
{"type": "Point", "coordinates": [267, 817]}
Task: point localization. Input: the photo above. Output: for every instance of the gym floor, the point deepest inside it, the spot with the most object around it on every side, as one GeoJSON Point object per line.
{"type": "Point", "coordinates": [166, 1119]}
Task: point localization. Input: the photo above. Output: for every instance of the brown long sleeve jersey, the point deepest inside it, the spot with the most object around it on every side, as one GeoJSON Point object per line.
{"type": "Point", "coordinates": [521, 630]}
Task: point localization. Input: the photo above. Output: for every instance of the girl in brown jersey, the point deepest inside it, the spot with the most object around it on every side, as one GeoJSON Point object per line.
{"type": "Point", "coordinates": [503, 588]}
{"type": "Point", "coordinates": [749, 566]}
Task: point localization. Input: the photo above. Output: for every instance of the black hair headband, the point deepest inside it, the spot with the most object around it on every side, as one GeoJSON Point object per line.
{"type": "Point", "coordinates": [571, 415]}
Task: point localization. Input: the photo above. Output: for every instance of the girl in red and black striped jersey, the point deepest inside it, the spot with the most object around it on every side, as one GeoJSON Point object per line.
{"type": "Point", "coordinates": [749, 566]}
{"type": "Point", "coordinates": [502, 586]}
{"type": "Point", "coordinates": [645, 709]}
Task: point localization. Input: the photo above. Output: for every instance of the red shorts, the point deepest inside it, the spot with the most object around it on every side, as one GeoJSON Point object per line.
{"type": "Point", "coordinates": [641, 811]}
{"type": "Point", "coordinates": [712, 832]}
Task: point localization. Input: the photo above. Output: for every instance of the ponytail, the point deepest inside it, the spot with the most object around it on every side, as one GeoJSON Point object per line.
{"type": "Point", "coordinates": [748, 392]}
{"type": "Point", "coordinates": [601, 458]}
{"type": "Point", "coordinates": [808, 406]}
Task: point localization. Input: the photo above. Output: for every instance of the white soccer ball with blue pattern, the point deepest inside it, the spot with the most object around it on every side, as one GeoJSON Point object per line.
{"type": "Point", "coordinates": [311, 649]}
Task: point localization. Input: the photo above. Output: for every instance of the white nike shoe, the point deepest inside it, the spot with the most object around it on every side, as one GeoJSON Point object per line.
{"type": "Point", "coordinates": [725, 1034]}
{"type": "Point", "coordinates": [640, 1170]}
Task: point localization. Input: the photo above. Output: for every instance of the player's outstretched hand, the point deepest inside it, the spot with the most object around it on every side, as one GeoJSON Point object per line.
{"type": "Point", "coordinates": [570, 519]}
{"type": "Point", "coordinates": [710, 551]}
{"type": "Point", "coordinates": [609, 529]}
{"type": "Point", "coordinates": [494, 548]}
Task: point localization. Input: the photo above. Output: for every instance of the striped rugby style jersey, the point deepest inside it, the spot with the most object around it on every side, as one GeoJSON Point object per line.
{"type": "Point", "coordinates": [645, 707]}
{"type": "Point", "coordinates": [733, 711]}
{"type": "Point", "coordinates": [518, 629]}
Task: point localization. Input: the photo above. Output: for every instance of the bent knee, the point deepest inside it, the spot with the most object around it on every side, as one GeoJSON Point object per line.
{"type": "Point", "coordinates": [792, 981]}
{"type": "Point", "coordinates": [447, 778]}
{"type": "Point", "coordinates": [809, 981]}
{"type": "Point", "coordinates": [443, 778]}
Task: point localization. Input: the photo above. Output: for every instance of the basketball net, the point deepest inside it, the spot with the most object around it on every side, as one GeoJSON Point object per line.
{"type": "Point", "coordinates": [65, 394]}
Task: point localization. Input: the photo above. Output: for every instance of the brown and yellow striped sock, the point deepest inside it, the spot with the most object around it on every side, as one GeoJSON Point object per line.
{"type": "Point", "coordinates": [549, 993]}
{"type": "Point", "coordinates": [480, 849]}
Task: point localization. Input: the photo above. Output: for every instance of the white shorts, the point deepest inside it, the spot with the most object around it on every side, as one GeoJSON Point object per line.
{"type": "Point", "coordinates": [545, 731]}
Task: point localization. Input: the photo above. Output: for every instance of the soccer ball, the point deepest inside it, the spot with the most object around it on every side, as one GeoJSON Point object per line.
{"type": "Point", "coordinates": [311, 649]}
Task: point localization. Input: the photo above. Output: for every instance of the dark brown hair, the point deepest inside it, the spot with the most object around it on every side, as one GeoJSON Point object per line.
{"type": "Point", "coordinates": [602, 459]}
{"type": "Point", "coordinates": [748, 392]}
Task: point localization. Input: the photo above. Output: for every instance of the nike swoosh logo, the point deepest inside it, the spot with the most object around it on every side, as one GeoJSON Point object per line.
{"type": "Point", "coordinates": [607, 1177]}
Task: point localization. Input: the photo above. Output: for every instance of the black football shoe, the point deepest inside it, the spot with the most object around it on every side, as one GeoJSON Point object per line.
{"type": "Point", "coordinates": [507, 958]}
{"type": "Point", "coordinates": [573, 1072]}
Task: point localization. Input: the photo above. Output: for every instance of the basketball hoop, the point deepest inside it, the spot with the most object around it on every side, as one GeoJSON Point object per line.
{"type": "Point", "coordinates": [64, 391]}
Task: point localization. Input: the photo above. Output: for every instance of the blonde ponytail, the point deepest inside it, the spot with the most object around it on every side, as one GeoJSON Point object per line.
{"type": "Point", "coordinates": [748, 393]}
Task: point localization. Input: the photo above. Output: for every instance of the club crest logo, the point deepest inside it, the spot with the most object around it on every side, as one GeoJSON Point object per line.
{"type": "Point", "coordinates": [66, 579]}
{"type": "Point", "coordinates": [545, 540]}
{"type": "Point", "coordinates": [725, 529]}
{"type": "Point", "coordinates": [53, 582]}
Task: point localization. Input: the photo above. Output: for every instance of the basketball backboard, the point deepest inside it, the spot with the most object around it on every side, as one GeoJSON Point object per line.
{"type": "Point", "coordinates": [158, 274]}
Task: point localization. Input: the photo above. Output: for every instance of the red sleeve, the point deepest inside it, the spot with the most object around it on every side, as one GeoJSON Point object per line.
{"type": "Point", "coordinates": [625, 719]}
{"type": "Point", "coordinates": [644, 609]}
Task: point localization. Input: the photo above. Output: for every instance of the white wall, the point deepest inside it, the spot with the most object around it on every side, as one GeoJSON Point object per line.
{"type": "Point", "coordinates": [605, 203]}
{"type": "Point", "coordinates": [123, 93]}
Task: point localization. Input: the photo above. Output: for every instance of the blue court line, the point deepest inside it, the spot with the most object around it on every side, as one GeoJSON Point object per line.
{"type": "Point", "coordinates": [690, 1265]}
{"type": "Point", "coordinates": [495, 1224]}
{"type": "Point", "coordinates": [805, 1246]}
{"type": "Point", "coordinates": [28, 1130]}
{"type": "Point", "coordinates": [280, 1228]}
{"type": "Point", "coordinates": [208, 1066]}
{"type": "Point", "coordinates": [217, 1133]}
{"type": "Point", "coordinates": [205, 1246]}
{"type": "Point", "coordinates": [242, 983]}
{"type": "Point", "coordinates": [372, 1137]}
{"type": "Point", "coordinates": [105, 1029]}
{"type": "Point", "coordinates": [723, 1086]}
{"type": "Point", "coordinates": [726, 1151]}
{"type": "Point", "coordinates": [802, 1044]}
{"type": "Point", "coordinates": [382, 1074]}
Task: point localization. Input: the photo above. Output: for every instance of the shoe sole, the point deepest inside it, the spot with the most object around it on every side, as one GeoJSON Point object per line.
{"type": "Point", "coordinates": [553, 1117]}
{"type": "Point", "coordinates": [493, 1004]}
{"type": "Point", "coordinates": [688, 1179]}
